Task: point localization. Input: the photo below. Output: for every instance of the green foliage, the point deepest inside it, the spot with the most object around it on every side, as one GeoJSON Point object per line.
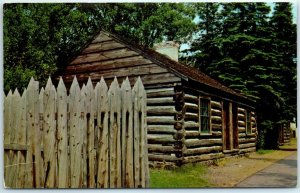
{"type": "Point", "coordinates": [253, 53]}
{"type": "Point", "coordinates": [40, 39]}
{"type": "Point", "coordinates": [187, 176]}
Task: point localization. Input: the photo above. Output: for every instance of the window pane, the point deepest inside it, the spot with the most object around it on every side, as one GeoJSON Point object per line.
{"type": "Point", "coordinates": [204, 115]}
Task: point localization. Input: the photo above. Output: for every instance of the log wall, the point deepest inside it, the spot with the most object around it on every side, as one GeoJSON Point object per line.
{"type": "Point", "coordinates": [198, 146]}
{"type": "Point", "coordinates": [161, 118]}
{"type": "Point", "coordinates": [247, 142]}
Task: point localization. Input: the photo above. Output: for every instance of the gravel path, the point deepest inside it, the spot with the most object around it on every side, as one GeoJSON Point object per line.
{"type": "Point", "coordinates": [232, 171]}
{"type": "Point", "coordinates": [280, 174]}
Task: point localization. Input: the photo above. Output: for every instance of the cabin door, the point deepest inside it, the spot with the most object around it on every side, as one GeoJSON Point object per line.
{"type": "Point", "coordinates": [230, 129]}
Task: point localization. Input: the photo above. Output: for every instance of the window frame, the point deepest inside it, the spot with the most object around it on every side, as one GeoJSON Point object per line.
{"type": "Point", "coordinates": [209, 132]}
{"type": "Point", "coordinates": [248, 120]}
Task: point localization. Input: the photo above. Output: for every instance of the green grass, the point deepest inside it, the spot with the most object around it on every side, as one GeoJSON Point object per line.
{"type": "Point", "coordinates": [264, 151]}
{"type": "Point", "coordinates": [187, 176]}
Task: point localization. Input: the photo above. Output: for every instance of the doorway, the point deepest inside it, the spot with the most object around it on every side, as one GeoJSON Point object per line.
{"type": "Point", "coordinates": [230, 126]}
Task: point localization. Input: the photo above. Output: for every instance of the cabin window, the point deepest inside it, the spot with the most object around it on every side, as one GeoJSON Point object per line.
{"type": "Point", "coordinates": [248, 122]}
{"type": "Point", "coordinates": [204, 115]}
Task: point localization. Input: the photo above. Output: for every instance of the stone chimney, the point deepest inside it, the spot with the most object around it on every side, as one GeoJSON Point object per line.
{"type": "Point", "coordinates": [169, 48]}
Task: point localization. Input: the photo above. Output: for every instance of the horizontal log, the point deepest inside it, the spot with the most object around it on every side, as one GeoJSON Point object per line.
{"type": "Point", "coordinates": [246, 145]}
{"type": "Point", "coordinates": [202, 150]}
{"type": "Point", "coordinates": [241, 135]}
{"type": "Point", "coordinates": [124, 72]}
{"type": "Point", "coordinates": [241, 123]}
{"type": "Point", "coordinates": [161, 129]}
{"type": "Point", "coordinates": [247, 150]}
{"type": "Point", "coordinates": [242, 129]}
{"type": "Point", "coordinates": [253, 113]}
{"type": "Point", "coordinates": [102, 46]}
{"type": "Point", "coordinates": [166, 120]}
{"type": "Point", "coordinates": [216, 105]}
{"type": "Point", "coordinates": [202, 142]}
{"type": "Point", "coordinates": [191, 107]}
{"type": "Point", "coordinates": [104, 55]}
{"type": "Point", "coordinates": [216, 119]}
{"type": "Point", "coordinates": [164, 93]}
{"type": "Point", "coordinates": [193, 134]}
{"type": "Point", "coordinates": [16, 147]}
{"type": "Point", "coordinates": [204, 157]}
{"type": "Point", "coordinates": [161, 110]}
{"type": "Point", "coordinates": [191, 98]}
{"type": "Point", "coordinates": [253, 119]}
{"type": "Point", "coordinates": [216, 112]}
{"type": "Point", "coordinates": [191, 125]}
{"type": "Point", "coordinates": [106, 65]}
{"type": "Point", "coordinates": [160, 149]}
{"type": "Point", "coordinates": [247, 140]}
{"type": "Point", "coordinates": [216, 127]}
{"type": "Point", "coordinates": [191, 116]}
{"type": "Point", "coordinates": [241, 116]}
{"type": "Point", "coordinates": [241, 110]}
{"type": "Point", "coordinates": [216, 134]}
{"type": "Point", "coordinates": [162, 158]}
{"type": "Point", "coordinates": [160, 139]}
{"type": "Point", "coordinates": [160, 101]}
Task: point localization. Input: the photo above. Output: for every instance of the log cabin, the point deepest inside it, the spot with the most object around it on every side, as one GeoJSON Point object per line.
{"type": "Point", "coordinates": [191, 117]}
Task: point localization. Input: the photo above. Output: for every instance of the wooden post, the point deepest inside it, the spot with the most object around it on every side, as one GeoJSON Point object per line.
{"type": "Point", "coordinates": [76, 139]}
{"type": "Point", "coordinates": [7, 133]}
{"type": "Point", "coordinates": [141, 172]}
{"type": "Point", "coordinates": [49, 105]}
{"type": "Point", "coordinates": [91, 151]}
{"type": "Point", "coordinates": [34, 135]}
{"type": "Point", "coordinates": [22, 141]}
{"type": "Point", "coordinates": [127, 135]}
{"type": "Point", "coordinates": [102, 123]}
{"type": "Point", "coordinates": [83, 128]}
{"type": "Point", "coordinates": [62, 136]}
{"type": "Point", "coordinates": [114, 136]}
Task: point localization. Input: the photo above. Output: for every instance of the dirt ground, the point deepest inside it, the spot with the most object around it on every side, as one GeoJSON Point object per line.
{"type": "Point", "coordinates": [231, 171]}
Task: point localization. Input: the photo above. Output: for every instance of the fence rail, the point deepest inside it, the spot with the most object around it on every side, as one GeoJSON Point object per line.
{"type": "Point", "coordinates": [89, 138]}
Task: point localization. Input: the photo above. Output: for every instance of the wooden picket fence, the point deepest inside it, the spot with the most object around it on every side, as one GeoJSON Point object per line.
{"type": "Point", "coordinates": [89, 138]}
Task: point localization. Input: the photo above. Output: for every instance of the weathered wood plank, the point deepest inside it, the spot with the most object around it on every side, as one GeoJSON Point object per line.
{"type": "Point", "coordinates": [247, 140]}
{"type": "Point", "coordinates": [215, 104]}
{"type": "Point", "coordinates": [128, 71]}
{"type": "Point", "coordinates": [76, 138]}
{"type": "Point", "coordinates": [127, 135]}
{"type": "Point", "coordinates": [62, 137]}
{"type": "Point", "coordinates": [7, 134]}
{"type": "Point", "coordinates": [102, 46]}
{"type": "Point", "coordinates": [34, 153]}
{"type": "Point", "coordinates": [83, 127]}
{"type": "Point", "coordinates": [49, 107]}
{"type": "Point", "coordinates": [102, 123]}
{"type": "Point", "coordinates": [116, 63]}
{"type": "Point", "coordinates": [91, 150]}
{"type": "Point", "coordinates": [104, 55]}
{"type": "Point", "coordinates": [114, 142]}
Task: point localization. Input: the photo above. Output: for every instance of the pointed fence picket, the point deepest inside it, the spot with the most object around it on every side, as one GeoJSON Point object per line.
{"type": "Point", "coordinates": [89, 138]}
